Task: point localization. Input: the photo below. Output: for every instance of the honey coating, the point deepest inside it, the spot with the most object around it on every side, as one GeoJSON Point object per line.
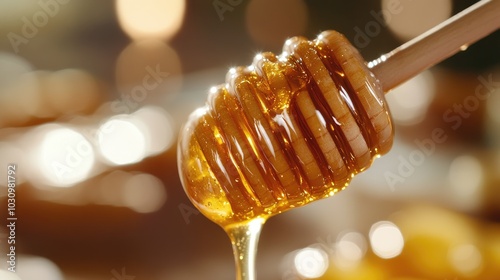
{"type": "Point", "coordinates": [283, 132]}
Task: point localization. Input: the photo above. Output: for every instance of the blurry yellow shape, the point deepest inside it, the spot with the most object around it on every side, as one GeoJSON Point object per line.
{"type": "Point", "coordinates": [364, 271]}
{"type": "Point", "coordinates": [466, 259]}
{"type": "Point", "coordinates": [430, 233]}
{"type": "Point", "coordinates": [160, 19]}
{"type": "Point", "coordinates": [491, 250]}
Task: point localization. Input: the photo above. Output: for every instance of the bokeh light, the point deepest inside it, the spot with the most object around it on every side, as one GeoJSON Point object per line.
{"type": "Point", "coordinates": [7, 275]}
{"type": "Point", "coordinates": [110, 188]}
{"type": "Point", "coordinates": [110, 209]}
{"type": "Point", "coordinates": [38, 268]}
{"type": "Point", "coordinates": [311, 263]}
{"type": "Point", "coordinates": [492, 105]}
{"type": "Point", "coordinates": [466, 177]}
{"type": "Point", "coordinates": [409, 101]}
{"type": "Point", "coordinates": [71, 91]}
{"type": "Point", "coordinates": [466, 259]}
{"type": "Point", "coordinates": [159, 131]}
{"type": "Point", "coordinates": [143, 70]}
{"type": "Point", "coordinates": [412, 18]}
{"type": "Point", "coordinates": [151, 18]}
{"type": "Point", "coordinates": [121, 141]}
{"type": "Point", "coordinates": [386, 240]}
{"type": "Point", "coordinates": [65, 157]}
{"type": "Point", "coordinates": [13, 10]}
{"type": "Point", "coordinates": [270, 23]}
{"type": "Point", "coordinates": [10, 154]}
{"type": "Point", "coordinates": [19, 90]}
{"type": "Point", "coordinates": [11, 67]}
{"type": "Point", "coordinates": [144, 193]}
{"type": "Point", "coordinates": [27, 94]}
{"type": "Point", "coordinates": [140, 192]}
{"type": "Point", "coordinates": [350, 249]}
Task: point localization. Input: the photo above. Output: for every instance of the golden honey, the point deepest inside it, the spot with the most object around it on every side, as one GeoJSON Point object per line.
{"type": "Point", "coordinates": [283, 132]}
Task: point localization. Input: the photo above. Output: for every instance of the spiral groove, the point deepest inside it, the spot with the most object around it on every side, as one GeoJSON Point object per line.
{"type": "Point", "coordinates": [285, 131]}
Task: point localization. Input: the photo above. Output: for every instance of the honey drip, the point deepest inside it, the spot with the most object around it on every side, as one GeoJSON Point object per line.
{"type": "Point", "coordinates": [281, 133]}
{"type": "Point", "coordinates": [244, 238]}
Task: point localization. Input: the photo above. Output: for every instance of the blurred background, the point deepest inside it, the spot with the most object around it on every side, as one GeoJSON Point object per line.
{"type": "Point", "coordinates": [93, 95]}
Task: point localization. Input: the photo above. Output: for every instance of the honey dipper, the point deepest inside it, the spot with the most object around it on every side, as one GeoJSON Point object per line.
{"type": "Point", "coordinates": [295, 128]}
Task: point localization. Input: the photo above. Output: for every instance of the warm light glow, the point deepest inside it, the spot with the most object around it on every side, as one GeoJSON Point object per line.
{"type": "Point", "coordinates": [144, 193]}
{"type": "Point", "coordinates": [121, 141]}
{"type": "Point", "coordinates": [492, 105]}
{"type": "Point", "coordinates": [11, 66]}
{"type": "Point", "coordinates": [7, 275]}
{"type": "Point", "coordinates": [158, 130]}
{"type": "Point", "coordinates": [386, 240]}
{"type": "Point", "coordinates": [270, 23]}
{"type": "Point", "coordinates": [71, 91]}
{"type": "Point", "coordinates": [19, 90]}
{"type": "Point", "coordinates": [65, 156]}
{"type": "Point", "coordinates": [350, 250]}
{"type": "Point", "coordinates": [408, 18]}
{"type": "Point", "coordinates": [311, 263]}
{"type": "Point", "coordinates": [9, 153]}
{"type": "Point", "coordinates": [409, 102]}
{"type": "Point", "coordinates": [466, 259]}
{"type": "Point", "coordinates": [12, 11]}
{"type": "Point", "coordinates": [151, 18]}
{"type": "Point", "coordinates": [213, 89]}
{"type": "Point", "coordinates": [144, 70]}
{"type": "Point", "coordinates": [110, 189]}
{"type": "Point", "coordinates": [37, 268]}
{"type": "Point", "coordinates": [466, 176]}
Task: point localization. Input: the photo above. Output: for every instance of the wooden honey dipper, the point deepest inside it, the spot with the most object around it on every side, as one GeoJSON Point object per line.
{"type": "Point", "coordinates": [287, 130]}
{"type": "Point", "coordinates": [295, 128]}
